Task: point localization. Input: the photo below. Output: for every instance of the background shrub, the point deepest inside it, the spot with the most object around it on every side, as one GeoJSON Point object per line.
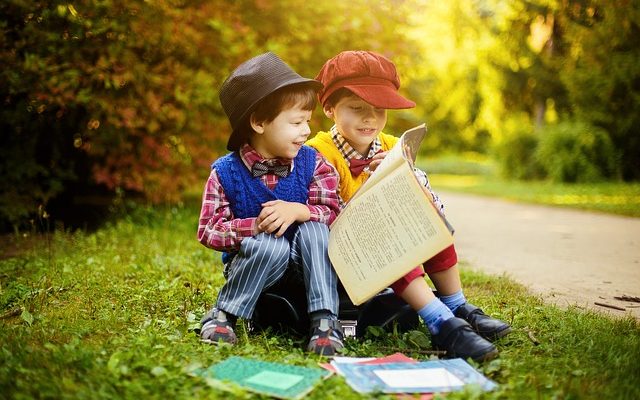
{"type": "Point", "coordinates": [575, 151]}
{"type": "Point", "coordinates": [515, 152]}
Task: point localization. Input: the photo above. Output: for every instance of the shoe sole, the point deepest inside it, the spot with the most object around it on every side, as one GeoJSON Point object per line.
{"type": "Point", "coordinates": [497, 335]}
{"type": "Point", "coordinates": [487, 356]}
{"type": "Point", "coordinates": [216, 342]}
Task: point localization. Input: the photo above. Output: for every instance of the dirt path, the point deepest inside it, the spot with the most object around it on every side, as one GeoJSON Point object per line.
{"type": "Point", "coordinates": [566, 256]}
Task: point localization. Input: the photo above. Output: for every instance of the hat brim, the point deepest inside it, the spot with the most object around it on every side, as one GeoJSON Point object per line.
{"type": "Point", "coordinates": [381, 96]}
{"type": "Point", "coordinates": [237, 138]}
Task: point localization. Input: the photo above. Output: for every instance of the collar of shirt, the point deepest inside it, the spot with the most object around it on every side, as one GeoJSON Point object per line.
{"type": "Point", "coordinates": [349, 152]}
{"type": "Point", "coordinates": [250, 156]}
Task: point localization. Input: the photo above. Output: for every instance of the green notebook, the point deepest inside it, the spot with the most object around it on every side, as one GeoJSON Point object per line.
{"type": "Point", "coordinates": [274, 379]}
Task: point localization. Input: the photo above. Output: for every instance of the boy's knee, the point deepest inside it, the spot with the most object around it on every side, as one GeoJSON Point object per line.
{"type": "Point", "coordinates": [313, 232]}
{"type": "Point", "coordinates": [265, 245]}
{"type": "Point", "coordinates": [442, 261]}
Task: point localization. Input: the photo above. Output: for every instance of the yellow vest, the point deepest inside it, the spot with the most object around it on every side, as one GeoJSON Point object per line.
{"type": "Point", "coordinates": [348, 184]}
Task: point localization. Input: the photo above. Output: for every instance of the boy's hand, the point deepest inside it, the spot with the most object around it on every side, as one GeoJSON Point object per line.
{"type": "Point", "coordinates": [277, 215]}
{"type": "Point", "coordinates": [376, 160]}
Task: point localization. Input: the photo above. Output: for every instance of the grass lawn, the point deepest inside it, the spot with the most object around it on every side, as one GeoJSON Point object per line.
{"type": "Point", "coordinates": [479, 176]}
{"type": "Point", "coordinates": [109, 315]}
{"type": "Point", "coordinates": [614, 198]}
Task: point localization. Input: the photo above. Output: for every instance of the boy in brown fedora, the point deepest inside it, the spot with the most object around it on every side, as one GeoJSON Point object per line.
{"type": "Point", "coordinates": [267, 204]}
{"type": "Point", "coordinates": [359, 87]}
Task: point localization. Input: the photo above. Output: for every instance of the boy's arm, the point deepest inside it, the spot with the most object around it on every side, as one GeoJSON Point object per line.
{"type": "Point", "coordinates": [217, 228]}
{"type": "Point", "coordinates": [322, 204]}
{"type": "Point", "coordinates": [424, 181]}
{"type": "Point", "coordinates": [324, 200]}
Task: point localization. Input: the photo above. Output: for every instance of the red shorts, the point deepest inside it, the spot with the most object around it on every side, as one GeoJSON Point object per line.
{"type": "Point", "coordinates": [446, 259]}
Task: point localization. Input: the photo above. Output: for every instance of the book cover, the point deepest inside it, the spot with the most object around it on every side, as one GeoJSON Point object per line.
{"type": "Point", "coordinates": [283, 381]}
{"type": "Point", "coordinates": [393, 358]}
{"type": "Point", "coordinates": [436, 376]}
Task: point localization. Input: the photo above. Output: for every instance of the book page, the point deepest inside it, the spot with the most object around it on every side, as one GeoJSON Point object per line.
{"type": "Point", "coordinates": [393, 160]}
{"type": "Point", "coordinates": [418, 378]}
{"type": "Point", "coordinates": [384, 233]}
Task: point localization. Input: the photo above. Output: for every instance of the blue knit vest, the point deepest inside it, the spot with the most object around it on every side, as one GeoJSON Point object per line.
{"type": "Point", "coordinates": [246, 193]}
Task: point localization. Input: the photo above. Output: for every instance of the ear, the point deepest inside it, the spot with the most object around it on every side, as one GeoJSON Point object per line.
{"type": "Point", "coordinates": [257, 126]}
{"type": "Point", "coordinates": [328, 111]}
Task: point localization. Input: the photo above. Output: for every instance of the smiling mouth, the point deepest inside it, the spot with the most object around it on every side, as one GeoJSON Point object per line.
{"type": "Point", "coordinates": [367, 131]}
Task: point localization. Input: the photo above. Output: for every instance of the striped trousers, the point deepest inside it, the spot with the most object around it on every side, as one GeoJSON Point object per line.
{"type": "Point", "coordinates": [263, 260]}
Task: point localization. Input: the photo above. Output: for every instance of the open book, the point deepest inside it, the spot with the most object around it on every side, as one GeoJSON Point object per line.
{"type": "Point", "coordinates": [389, 226]}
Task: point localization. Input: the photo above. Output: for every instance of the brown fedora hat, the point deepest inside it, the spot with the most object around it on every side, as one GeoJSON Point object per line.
{"type": "Point", "coordinates": [251, 82]}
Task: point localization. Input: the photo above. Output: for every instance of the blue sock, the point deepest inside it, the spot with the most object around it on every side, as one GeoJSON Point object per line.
{"type": "Point", "coordinates": [434, 314]}
{"type": "Point", "coordinates": [453, 301]}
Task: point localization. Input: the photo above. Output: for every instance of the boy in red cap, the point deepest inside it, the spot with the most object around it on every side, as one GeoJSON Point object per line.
{"type": "Point", "coordinates": [359, 87]}
{"type": "Point", "coordinates": [267, 204]}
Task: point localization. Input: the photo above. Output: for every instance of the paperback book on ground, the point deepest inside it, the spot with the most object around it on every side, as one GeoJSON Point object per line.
{"type": "Point", "coordinates": [436, 376]}
{"type": "Point", "coordinates": [279, 380]}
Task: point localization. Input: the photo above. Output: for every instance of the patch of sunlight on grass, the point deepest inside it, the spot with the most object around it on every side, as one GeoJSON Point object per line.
{"type": "Point", "coordinates": [455, 181]}
{"type": "Point", "coordinates": [582, 199]}
{"type": "Point", "coordinates": [610, 197]}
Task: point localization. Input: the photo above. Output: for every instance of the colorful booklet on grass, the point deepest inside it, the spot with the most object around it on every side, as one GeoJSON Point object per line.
{"type": "Point", "coordinates": [436, 376]}
{"type": "Point", "coordinates": [334, 365]}
{"type": "Point", "coordinates": [273, 379]}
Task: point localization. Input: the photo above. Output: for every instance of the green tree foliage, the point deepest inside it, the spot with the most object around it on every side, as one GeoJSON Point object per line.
{"type": "Point", "coordinates": [95, 94]}
{"type": "Point", "coordinates": [600, 70]}
{"type": "Point", "coordinates": [572, 60]}
{"type": "Point", "coordinates": [516, 150]}
{"type": "Point", "coordinates": [122, 94]}
{"type": "Point", "coordinates": [445, 77]}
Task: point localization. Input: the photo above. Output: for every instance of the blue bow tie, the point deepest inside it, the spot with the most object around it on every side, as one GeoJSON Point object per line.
{"type": "Point", "coordinates": [259, 168]}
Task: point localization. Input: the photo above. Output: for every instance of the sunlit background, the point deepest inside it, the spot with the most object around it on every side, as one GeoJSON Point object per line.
{"type": "Point", "coordinates": [119, 98]}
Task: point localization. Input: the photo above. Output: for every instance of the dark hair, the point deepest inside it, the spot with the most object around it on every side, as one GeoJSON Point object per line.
{"type": "Point", "coordinates": [270, 107]}
{"type": "Point", "coordinates": [337, 96]}
{"type": "Point", "coordinates": [267, 109]}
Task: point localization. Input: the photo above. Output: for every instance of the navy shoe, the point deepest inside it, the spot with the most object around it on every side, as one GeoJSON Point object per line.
{"type": "Point", "coordinates": [458, 339]}
{"type": "Point", "coordinates": [487, 327]}
{"type": "Point", "coordinates": [326, 337]}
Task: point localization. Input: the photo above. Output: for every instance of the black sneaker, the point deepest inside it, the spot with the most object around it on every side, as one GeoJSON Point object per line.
{"type": "Point", "coordinates": [458, 339]}
{"type": "Point", "coordinates": [487, 327]}
{"type": "Point", "coordinates": [326, 337]}
{"type": "Point", "coordinates": [215, 329]}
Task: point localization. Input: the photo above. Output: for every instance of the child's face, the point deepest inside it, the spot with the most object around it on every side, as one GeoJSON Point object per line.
{"type": "Point", "coordinates": [284, 136]}
{"type": "Point", "coordinates": [357, 121]}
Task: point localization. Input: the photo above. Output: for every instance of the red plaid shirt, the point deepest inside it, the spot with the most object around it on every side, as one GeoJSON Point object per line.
{"type": "Point", "coordinates": [220, 230]}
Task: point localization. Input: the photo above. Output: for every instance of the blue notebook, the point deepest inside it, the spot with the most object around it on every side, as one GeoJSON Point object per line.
{"type": "Point", "coordinates": [283, 381]}
{"type": "Point", "coordinates": [435, 376]}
